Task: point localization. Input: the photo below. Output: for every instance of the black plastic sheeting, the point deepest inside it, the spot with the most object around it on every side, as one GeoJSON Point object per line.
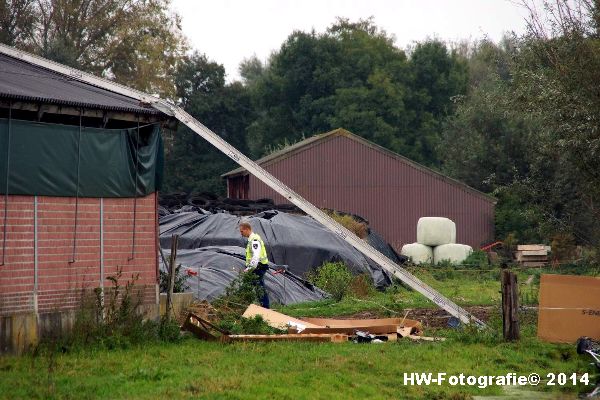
{"type": "Point", "coordinates": [217, 267]}
{"type": "Point", "coordinates": [56, 160]}
{"type": "Point", "coordinates": [294, 240]}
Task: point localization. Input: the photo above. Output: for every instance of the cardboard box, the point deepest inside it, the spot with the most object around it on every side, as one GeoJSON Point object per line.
{"type": "Point", "coordinates": [569, 307]}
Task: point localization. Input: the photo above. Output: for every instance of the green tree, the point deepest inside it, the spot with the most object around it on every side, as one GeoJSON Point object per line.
{"type": "Point", "coordinates": [437, 76]}
{"type": "Point", "coordinates": [17, 19]}
{"type": "Point", "coordinates": [353, 76]}
{"type": "Point", "coordinates": [556, 82]}
{"type": "Point", "coordinates": [135, 42]}
{"type": "Point", "coordinates": [528, 128]}
{"type": "Point", "coordinates": [193, 164]}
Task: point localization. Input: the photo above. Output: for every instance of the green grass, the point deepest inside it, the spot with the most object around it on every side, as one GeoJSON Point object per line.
{"type": "Point", "coordinates": [464, 287]}
{"type": "Point", "coordinates": [192, 369]}
{"type": "Point", "coordinates": [200, 370]}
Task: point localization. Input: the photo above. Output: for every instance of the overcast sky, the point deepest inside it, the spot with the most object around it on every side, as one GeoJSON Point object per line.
{"type": "Point", "coordinates": [228, 31]}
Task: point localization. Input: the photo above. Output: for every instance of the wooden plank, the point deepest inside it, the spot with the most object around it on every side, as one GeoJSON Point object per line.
{"type": "Point", "coordinates": [364, 323]}
{"type": "Point", "coordinates": [334, 338]}
{"type": "Point", "coordinates": [531, 247]}
{"type": "Point", "coordinates": [199, 327]}
{"type": "Point", "coordinates": [275, 319]}
{"type": "Point", "coordinates": [534, 253]}
{"type": "Point", "coordinates": [171, 277]}
{"type": "Point", "coordinates": [521, 257]}
{"type": "Point", "coordinates": [374, 330]}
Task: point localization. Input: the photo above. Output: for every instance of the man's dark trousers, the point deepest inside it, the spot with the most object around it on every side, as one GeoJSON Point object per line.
{"type": "Point", "coordinates": [260, 271]}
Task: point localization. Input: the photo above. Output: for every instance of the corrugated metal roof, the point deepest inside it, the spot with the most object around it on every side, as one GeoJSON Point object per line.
{"type": "Point", "coordinates": [313, 140]}
{"type": "Point", "coordinates": [22, 81]}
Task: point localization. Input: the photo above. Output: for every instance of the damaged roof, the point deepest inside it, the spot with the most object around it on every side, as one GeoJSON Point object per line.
{"type": "Point", "coordinates": [22, 81]}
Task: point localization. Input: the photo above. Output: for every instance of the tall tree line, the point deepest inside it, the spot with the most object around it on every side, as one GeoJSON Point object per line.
{"type": "Point", "coordinates": [517, 119]}
{"type": "Point", "coordinates": [528, 128]}
{"type": "Point", "coordinates": [351, 76]}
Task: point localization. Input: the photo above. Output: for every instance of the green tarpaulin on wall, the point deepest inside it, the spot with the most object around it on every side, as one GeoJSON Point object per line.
{"type": "Point", "coordinates": [46, 159]}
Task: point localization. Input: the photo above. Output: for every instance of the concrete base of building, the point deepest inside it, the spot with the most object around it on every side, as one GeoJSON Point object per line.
{"type": "Point", "coordinates": [181, 301]}
{"type": "Point", "coordinates": [20, 333]}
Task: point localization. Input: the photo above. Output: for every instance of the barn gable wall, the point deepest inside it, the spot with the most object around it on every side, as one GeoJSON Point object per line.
{"type": "Point", "coordinates": [344, 174]}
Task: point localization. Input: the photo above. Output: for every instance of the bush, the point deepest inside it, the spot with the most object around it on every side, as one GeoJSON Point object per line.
{"type": "Point", "coordinates": [477, 259]}
{"type": "Point", "coordinates": [112, 319]}
{"type": "Point", "coordinates": [247, 326]}
{"type": "Point", "coordinates": [243, 291]}
{"type": "Point", "coordinates": [362, 286]}
{"type": "Point", "coordinates": [334, 278]}
{"type": "Point", "coordinates": [179, 285]}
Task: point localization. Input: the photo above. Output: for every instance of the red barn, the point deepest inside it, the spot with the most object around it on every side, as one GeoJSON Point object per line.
{"type": "Point", "coordinates": [79, 171]}
{"type": "Point", "coordinates": [342, 171]}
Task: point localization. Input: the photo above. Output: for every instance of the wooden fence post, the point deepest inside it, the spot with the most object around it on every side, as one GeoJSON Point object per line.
{"type": "Point", "coordinates": [172, 268]}
{"type": "Point", "coordinates": [510, 306]}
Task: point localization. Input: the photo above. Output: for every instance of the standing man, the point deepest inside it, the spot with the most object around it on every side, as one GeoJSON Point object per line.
{"type": "Point", "coordinates": [256, 258]}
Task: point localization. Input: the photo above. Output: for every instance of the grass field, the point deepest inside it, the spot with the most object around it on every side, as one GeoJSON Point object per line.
{"type": "Point", "coordinates": [468, 287]}
{"type": "Point", "coordinates": [192, 369]}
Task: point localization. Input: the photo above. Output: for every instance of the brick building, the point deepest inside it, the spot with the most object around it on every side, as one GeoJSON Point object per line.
{"type": "Point", "coordinates": [79, 171]}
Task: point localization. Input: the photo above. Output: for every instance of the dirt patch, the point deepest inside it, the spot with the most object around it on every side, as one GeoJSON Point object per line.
{"type": "Point", "coordinates": [438, 318]}
{"type": "Point", "coordinates": [429, 317]}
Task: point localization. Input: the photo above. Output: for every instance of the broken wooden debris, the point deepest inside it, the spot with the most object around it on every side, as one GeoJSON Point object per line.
{"type": "Point", "coordinates": [311, 330]}
{"type": "Point", "coordinates": [275, 319]}
{"type": "Point", "coordinates": [333, 338]}
{"type": "Point", "coordinates": [411, 333]}
{"type": "Point", "coordinates": [201, 328]}
{"type": "Point", "coordinates": [383, 329]}
{"type": "Point", "coordinates": [357, 323]}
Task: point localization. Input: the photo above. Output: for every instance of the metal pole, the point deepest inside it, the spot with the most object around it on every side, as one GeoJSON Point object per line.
{"type": "Point", "coordinates": [102, 256]}
{"type": "Point", "coordinates": [172, 271]}
{"type": "Point", "coordinates": [137, 162]}
{"type": "Point", "coordinates": [35, 254]}
{"type": "Point", "coordinates": [6, 188]}
{"type": "Point", "coordinates": [77, 189]}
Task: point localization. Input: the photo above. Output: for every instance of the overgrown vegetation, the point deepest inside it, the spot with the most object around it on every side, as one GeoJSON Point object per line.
{"type": "Point", "coordinates": [359, 228]}
{"type": "Point", "coordinates": [333, 277]}
{"type": "Point", "coordinates": [111, 319]}
{"type": "Point", "coordinates": [179, 285]}
{"type": "Point", "coordinates": [243, 291]}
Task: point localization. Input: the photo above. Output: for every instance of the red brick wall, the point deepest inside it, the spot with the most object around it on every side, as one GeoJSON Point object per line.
{"type": "Point", "coordinates": [60, 281]}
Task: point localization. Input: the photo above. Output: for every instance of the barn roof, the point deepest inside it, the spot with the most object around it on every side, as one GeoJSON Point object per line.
{"type": "Point", "coordinates": [317, 139]}
{"type": "Point", "coordinates": [22, 81]}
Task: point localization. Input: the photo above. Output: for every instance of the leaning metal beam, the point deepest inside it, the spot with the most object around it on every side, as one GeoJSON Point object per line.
{"type": "Point", "coordinates": [253, 168]}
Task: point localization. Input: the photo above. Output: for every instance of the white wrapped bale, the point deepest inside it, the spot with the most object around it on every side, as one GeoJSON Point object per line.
{"type": "Point", "coordinates": [418, 253]}
{"type": "Point", "coordinates": [455, 253]}
{"type": "Point", "coordinates": [435, 231]}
